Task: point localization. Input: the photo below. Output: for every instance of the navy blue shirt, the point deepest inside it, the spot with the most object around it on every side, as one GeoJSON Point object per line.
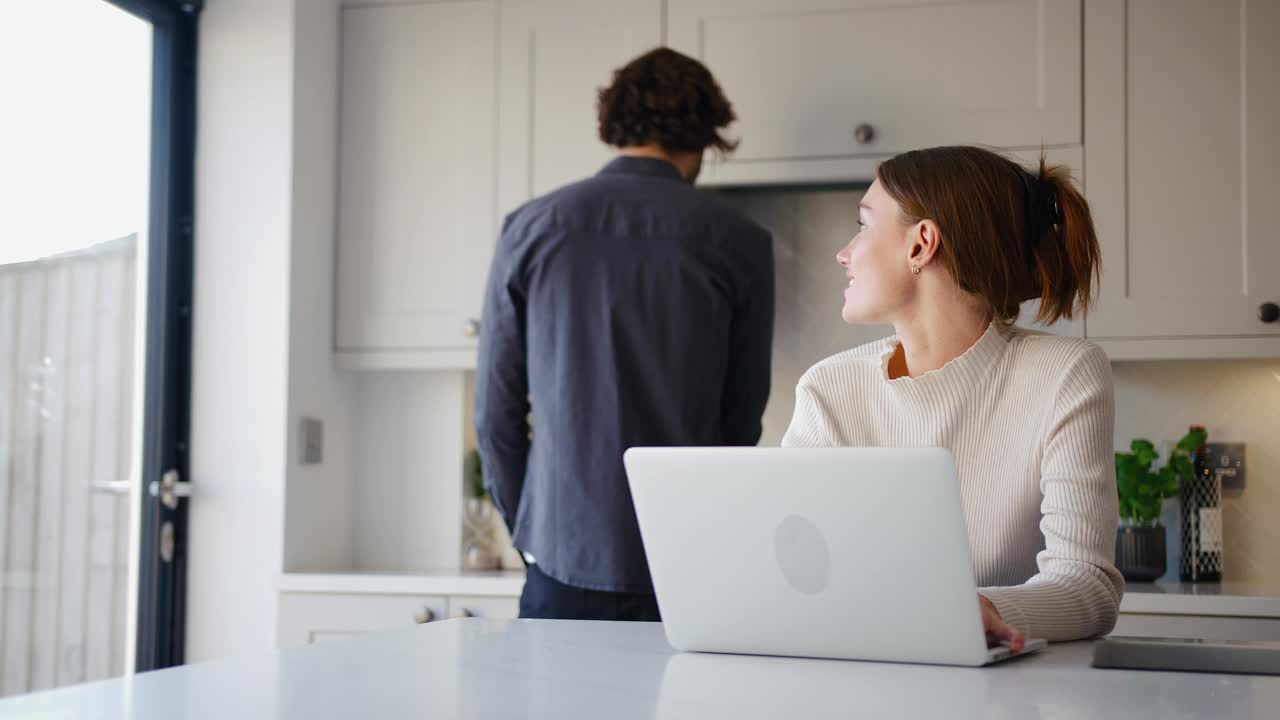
{"type": "Point", "coordinates": [623, 310]}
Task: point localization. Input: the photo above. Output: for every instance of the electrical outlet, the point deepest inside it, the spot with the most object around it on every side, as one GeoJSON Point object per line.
{"type": "Point", "coordinates": [311, 441]}
{"type": "Point", "coordinates": [1227, 461]}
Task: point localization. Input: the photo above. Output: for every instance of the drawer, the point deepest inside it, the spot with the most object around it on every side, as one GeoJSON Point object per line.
{"type": "Point", "coordinates": [310, 618]}
{"type": "Point", "coordinates": [496, 608]}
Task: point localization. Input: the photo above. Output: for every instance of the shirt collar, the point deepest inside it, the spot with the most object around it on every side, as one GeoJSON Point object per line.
{"type": "Point", "coordinates": [627, 165]}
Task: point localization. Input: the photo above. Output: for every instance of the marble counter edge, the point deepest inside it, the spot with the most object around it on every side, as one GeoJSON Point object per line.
{"type": "Point", "coordinates": [445, 582]}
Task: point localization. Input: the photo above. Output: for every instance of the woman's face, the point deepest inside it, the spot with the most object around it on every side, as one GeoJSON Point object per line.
{"type": "Point", "coordinates": [876, 261]}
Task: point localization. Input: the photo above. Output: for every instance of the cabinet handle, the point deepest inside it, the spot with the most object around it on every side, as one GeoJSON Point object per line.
{"type": "Point", "coordinates": [463, 613]}
{"type": "Point", "coordinates": [471, 327]}
{"type": "Point", "coordinates": [864, 134]}
{"type": "Point", "coordinates": [424, 615]}
{"type": "Point", "coordinates": [1268, 312]}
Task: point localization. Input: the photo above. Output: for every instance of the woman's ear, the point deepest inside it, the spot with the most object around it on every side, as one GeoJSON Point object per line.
{"type": "Point", "coordinates": [925, 238]}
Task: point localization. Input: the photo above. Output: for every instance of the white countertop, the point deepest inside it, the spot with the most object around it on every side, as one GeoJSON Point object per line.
{"type": "Point", "coordinates": [502, 583]}
{"type": "Point", "coordinates": [1228, 599]}
{"type": "Point", "coordinates": [567, 669]}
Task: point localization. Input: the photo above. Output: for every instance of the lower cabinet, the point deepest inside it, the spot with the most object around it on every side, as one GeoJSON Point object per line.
{"type": "Point", "coordinates": [492, 608]}
{"type": "Point", "coordinates": [311, 618]}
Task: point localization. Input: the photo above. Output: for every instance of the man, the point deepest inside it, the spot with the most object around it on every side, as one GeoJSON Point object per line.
{"type": "Point", "coordinates": [626, 309]}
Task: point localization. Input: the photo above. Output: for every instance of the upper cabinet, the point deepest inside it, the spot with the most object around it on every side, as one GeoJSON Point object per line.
{"type": "Point", "coordinates": [555, 55]}
{"type": "Point", "coordinates": [1182, 151]}
{"type": "Point", "coordinates": [417, 199]}
{"type": "Point", "coordinates": [820, 87]}
{"type": "Point", "coordinates": [454, 113]}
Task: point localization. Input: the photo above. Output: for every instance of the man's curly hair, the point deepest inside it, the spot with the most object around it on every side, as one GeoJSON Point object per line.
{"type": "Point", "coordinates": [666, 98]}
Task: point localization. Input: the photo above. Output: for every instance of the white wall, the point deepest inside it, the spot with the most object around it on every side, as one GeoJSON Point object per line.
{"type": "Point", "coordinates": [241, 324]}
{"type": "Point", "coordinates": [808, 228]}
{"type": "Point", "coordinates": [318, 527]}
{"type": "Point", "coordinates": [407, 485]}
{"type": "Point", "coordinates": [387, 494]}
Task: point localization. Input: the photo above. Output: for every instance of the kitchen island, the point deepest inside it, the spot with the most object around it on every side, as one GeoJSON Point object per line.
{"type": "Point", "coordinates": [475, 668]}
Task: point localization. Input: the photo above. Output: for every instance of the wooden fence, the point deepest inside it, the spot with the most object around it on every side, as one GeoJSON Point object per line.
{"type": "Point", "coordinates": [66, 432]}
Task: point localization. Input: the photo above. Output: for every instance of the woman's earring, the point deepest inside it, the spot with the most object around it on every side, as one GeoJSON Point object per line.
{"type": "Point", "coordinates": [915, 269]}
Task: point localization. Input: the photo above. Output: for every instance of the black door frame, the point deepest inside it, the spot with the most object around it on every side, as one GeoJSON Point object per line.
{"type": "Point", "coordinates": [167, 392]}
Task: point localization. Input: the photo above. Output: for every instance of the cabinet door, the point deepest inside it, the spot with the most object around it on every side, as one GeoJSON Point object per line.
{"type": "Point", "coordinates": [555, 56]}
{"type": "Point", "coordinates": [804, 76]}
{"type": "Point", "coordinates": [416, 201]}
{"type": "Point", "coordinates": [494, 608]}
{"type": "Point", "coordinates": [310, 618]}
{"type": "Point", "coordinates": [1182, 156]}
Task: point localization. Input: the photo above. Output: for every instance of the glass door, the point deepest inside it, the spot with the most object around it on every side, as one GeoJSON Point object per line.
{"type": "Point", "coordinates": [95, 272]}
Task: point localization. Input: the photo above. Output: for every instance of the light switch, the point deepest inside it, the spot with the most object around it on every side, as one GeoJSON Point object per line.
{"type": "Point", "coordinates": [311, 441]}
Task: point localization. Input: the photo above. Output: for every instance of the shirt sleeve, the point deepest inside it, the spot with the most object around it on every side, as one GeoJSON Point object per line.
{"type": "Point", "coordinates": [1076, 593]}
{"type": "Point", "coordinates": [502, 382]}
{"type": "Point", "coordinates": [747, 380]}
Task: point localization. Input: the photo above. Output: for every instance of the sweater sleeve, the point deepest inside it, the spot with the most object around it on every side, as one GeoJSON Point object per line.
{"type": "Point", "coordinates": [1076, 593]}
{"type": "Point", "coordinates": [810, 425]}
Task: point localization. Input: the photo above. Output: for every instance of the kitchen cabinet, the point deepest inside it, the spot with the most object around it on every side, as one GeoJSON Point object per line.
{"type": "Point", "coordinates": [817, 84]}
{"type": "Point", "coordinates": [824, 90]}
{"type": "Point", "coordinates": [1181, 112]}
{"type": "Point", "coordinates": [349, 605]}
{"type": "Point", "coordinates": [493, 608]}
{"type": "Point", "coordinates": [416, 206]}
{"type": "Point", "coordinates": [451, 117]}
{"type": "Point", "coordinates": [555, 55]}
{"type": "Point", "coordinates": [307, 619]}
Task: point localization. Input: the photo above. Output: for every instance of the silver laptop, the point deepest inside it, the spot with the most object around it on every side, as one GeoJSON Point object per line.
{"type": "Point", "coordinates": [850, 553]}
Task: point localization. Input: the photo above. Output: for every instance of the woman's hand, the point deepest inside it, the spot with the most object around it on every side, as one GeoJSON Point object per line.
{"type": "Point", "coordinates": [998, 631]}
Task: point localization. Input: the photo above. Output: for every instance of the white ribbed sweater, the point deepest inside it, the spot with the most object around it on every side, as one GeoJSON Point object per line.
{"type": "Point", "coordinates": [1029, 418]}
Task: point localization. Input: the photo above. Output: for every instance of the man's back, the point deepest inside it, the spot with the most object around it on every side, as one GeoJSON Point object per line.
{"type": "Point", "coordinates": [632, 310]}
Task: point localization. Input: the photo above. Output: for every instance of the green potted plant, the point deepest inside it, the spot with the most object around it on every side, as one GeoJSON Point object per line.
{"type": "Point", "coordinates": [1141, 539]}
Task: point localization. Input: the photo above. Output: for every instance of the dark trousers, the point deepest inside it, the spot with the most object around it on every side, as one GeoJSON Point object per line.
{"type": "Point", "coordinates": [547, 598]}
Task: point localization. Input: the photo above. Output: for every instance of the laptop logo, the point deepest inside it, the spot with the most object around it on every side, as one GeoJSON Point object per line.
{"type": "Point", "coordinates": [803, 555]}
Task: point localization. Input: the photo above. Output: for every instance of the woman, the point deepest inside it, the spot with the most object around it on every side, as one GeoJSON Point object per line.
{"type": "Point", "coordinates": [952, 240]}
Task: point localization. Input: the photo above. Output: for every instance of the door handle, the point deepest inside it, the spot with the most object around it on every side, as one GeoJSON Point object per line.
{"type": "Point", "coordinates": [169, 488]}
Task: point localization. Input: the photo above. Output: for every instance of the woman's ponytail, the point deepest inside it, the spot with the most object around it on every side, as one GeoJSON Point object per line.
{"type": "Point", "coordinates": [1066, 257]}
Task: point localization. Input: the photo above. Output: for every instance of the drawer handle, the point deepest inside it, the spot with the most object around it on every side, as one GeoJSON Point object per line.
{"type": "Point", "coordinates": [864, 134]}
{"type": "Point", "coordinates": [424, 615]}
{"type": "Point", "coordinates": [1268, 312]}
{"type": "Point", "coordinates": [463, 613]}
{"type": "Point", "coordinates": [471, 327]}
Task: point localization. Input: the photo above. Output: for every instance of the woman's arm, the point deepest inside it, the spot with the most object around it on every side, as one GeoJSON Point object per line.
{"type": "Point", "coordinates": [1076, 593]}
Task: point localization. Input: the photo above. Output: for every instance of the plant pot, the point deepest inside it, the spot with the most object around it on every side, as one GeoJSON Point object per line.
{"type": "Point", "coordinates": [1140, 553]}
{"type": "Point", "coordinates": [479, 550]}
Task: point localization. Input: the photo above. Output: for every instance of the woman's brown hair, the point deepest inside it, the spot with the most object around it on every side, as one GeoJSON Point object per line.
{"type": "Point", "coordinates": [1008, 235]}
{"type": "Point", "coordinates": [666, 98]}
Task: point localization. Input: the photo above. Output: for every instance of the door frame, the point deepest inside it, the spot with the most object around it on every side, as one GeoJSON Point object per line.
{"type": "Point", "coordinates": [166, 408]}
